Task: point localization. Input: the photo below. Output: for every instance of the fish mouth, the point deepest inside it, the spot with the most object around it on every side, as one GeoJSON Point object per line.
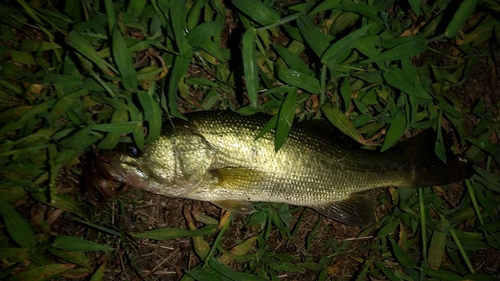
{"type": "Point", "coordinates": [104, 177]}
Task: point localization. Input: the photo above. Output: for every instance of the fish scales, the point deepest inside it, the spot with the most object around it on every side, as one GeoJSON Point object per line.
{"type": "Point", "coordinates": [322, 169]}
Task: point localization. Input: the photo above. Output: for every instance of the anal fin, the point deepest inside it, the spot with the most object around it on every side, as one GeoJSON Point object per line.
{"type": "Point", "coordinates": [355, 210]}
{"type": "Point", "coordinates": [241, 207]}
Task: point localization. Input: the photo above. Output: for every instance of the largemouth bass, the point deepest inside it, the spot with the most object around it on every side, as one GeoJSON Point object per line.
{"type": "Point", "coordinates": [214, 157]}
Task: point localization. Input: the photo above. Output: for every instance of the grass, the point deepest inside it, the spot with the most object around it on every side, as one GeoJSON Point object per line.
{"type": "Point", "coordinates": [80, 74]}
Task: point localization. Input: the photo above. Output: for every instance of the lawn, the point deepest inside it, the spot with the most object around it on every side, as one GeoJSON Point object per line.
{"type": "Point", "coordinates": [80, 76]}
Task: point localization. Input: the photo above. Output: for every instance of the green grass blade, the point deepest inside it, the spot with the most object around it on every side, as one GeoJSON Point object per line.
{"type": "Point", "coordinates": [203, 32]}
{"type": "Point", "coordinates": [135, 7]}
{"type": "Point", "coordinates": [152, 114]}
{"type": "Point", "coordinates": [343, 45]}
{"type": "Point", "coordinates": [299, 80]}
{"type": "Point", "coordinates": [340, 121]}
{"type": "Point", "coordinates": [250, 66]}
{"type": "Point", "coordinates": [317, 40]}
{"type": "Point", "coordinates": [413, 47]}
{"type": "Point", "coordinates": [400, 80]}
{"type": "Point", "coordinates": [257, 11]}
{"type": "Point", "coordinates": [173, 233]}
{"type": "Point", "coordinates": [111, 15]}
{"type": "Point", "coordinates": [178, 15]}
{"type": "Point", "coordinates": [396, 130]}
{"type": "Point", "coordinates": [82, 46]}
{"type": "Point", "coordinates": [16, 226]}
{"type": "Point", "coordinates": [124, 62]}
{"type": "Point", "coordinates": [70, 243]}
{"type": "Point", "coordinates": [293, 61]}
{"type": "Point", "coordinates": [461, 15]}
{"type": "Point", "coordinates": [286, 119]}
{"type": "Point", "coordinates": [41, 273]}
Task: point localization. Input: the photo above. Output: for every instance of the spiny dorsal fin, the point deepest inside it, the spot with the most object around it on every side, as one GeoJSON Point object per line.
{"type": "Point", "coordinates": [355, 210]}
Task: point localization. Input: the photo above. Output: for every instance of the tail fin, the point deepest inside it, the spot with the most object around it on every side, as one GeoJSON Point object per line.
{"type": "Point", "coordinates": [427, 169]}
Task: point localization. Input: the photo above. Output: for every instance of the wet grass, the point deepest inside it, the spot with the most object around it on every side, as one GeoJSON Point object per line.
{"type": "Point", "coordinates": [80, 74]}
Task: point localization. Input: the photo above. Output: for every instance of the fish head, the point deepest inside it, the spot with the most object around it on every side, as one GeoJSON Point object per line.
{"type": "Point", "coordinates": [110, 173]}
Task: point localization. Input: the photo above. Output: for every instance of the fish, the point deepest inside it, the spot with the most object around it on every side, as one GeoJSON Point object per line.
{"type": "Point", "coordinates": [216, 157]}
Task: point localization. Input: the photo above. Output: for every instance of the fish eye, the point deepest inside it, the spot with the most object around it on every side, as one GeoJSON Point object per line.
{"type": "Point", "coordinates": [133, 151]}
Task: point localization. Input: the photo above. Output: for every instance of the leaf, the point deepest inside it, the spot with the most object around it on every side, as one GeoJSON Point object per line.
{"type": "Point", "coordinates": [41, 273]}
{"type": "Point", "coordinates": [119, 127]}
{"type": "Point", "coordinates": [82, 45]}
{"type": "Point", "coordinates": [138, 135]}
{"type": "Point", "coordinates": [203, 275]}
{"type": "Point", "coordinates": [299, 80]}
{"type": "Point", "coordinates": [270, 125]}
{"type": "Point", "coordinates": [229, 273]}
{"type": "Point", "coordinates": [152, 114]}
{"type": "Point", "coordinates": [370, 12]}
{"type": "Point", "coordinates": [111, 15]}
{"type": "Point", "coordinates": [338, 119]}
{"type": "Point", "coordinates": [398, 79]}
{"type": "Point", "coordinates": [396, 130]}
{"type": "Point", "coordinates": [345, 91]}
{"type": "Point", "coordinates": [437, 249]}
{"type": "Point", "coordinates": [485, 145]}
{"type": "Point", "coordinates": [342, 45]}
{"type": "Point", "coordinates": [324, 6]}
{"type": "Point", "coordinates": [178, 71]}
{"type": "Point", "coordinates": [15, 254]}
{"type": "Point", "coordinates": [401, 256]}
{"type": "Point", "coordinates": [64, 103]}
{"type": "Point", "coordinates": [250, 66]}
{"type": "Point", "coordinates": [99, 273]}
{"type": "Point", "coordinates": [461, 15]}
{"type": "Point", "coordinates": [61, 201]}
{"type": "Point", "coordinates": [124, 62]}
{"type": "Point", "coordinates": [238, 250]}
{"type": "Point", "coordinates": [173, 233]}
{"type": "Point", "coordinates": [177, 19]}
{"type": "Point", "coordinates": [317, 40]}
{"type": "Point", "coordinates": [257, 11]}
{"type": "Point", "coordinates": [285, 120]}
{"type": "Point", "coordinates": [413, 47]}
{"type": "Point", "coordinates": [293, 61]}
{"type": "Point", "coordinates": [65, 80]}
{"type": "Point", "coordinates": [203, 32]}
{"type": "Point", "coordinates": [135, 7]}
{"type": "Point", "coordinates": [441, 274]}
{"type": "Point", "coordinates": [70, 243]}
{"type": "Point", "coordinates": [79, 258]}
{"type": "Point", "coordinates": [18, 229]}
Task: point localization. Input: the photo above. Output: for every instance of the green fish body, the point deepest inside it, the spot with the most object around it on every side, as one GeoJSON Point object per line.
{"type": "Point", "coordinates": [214, 157]}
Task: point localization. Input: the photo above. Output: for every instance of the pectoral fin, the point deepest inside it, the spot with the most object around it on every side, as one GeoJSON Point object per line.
{"type": "Point", "coordinates": [355, 210]}
{"type": "Point", "coordinates": [237, 177]}
{"type": "Point", "coordinates": [241, 207]}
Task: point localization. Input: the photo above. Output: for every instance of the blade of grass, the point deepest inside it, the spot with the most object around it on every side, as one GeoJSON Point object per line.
{"type": "Point", "coordinates": [342, 45]}
{"type": "Point", "coordinates": [82, 46]}
{"type": "Point", "coordinates": [285, 119]}
{"type": "Point", "coordinates": [124, 62]}
{"type": "Point", "coordinates": [16, 226]}
{"type": "Point", "coordinates": [70, 243]}
{"type": "Point", "coordinates": [250, 66]}
{"type": "Point", "coordinates": [257, 11]}
{"type": "Point", "coordinates": [461, 15]}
